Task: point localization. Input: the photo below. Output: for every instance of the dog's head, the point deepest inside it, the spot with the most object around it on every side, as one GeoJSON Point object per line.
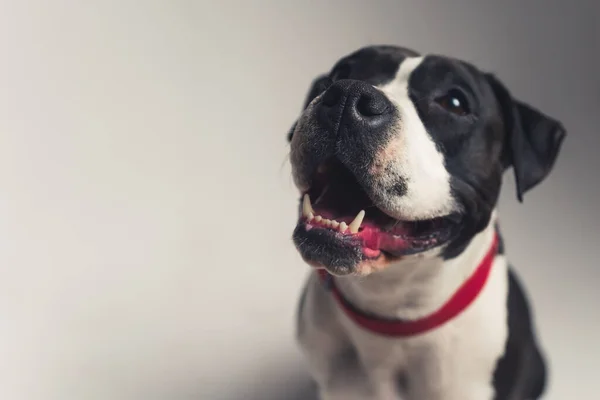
{"type": "Point", "coordinates": [398, 155]}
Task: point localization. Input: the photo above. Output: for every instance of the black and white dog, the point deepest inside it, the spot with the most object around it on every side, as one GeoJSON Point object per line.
{"type": "Point", "coordinates": [399, 161]}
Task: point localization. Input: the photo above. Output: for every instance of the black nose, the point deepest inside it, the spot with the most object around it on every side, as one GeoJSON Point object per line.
{"type": "Point", "coordinates": [354, 104]}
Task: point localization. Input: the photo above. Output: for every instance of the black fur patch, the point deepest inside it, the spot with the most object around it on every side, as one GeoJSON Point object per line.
{"type": "Point", "coordinates": [521, 372]}
{"type": "Point", "coordinates": [471, 144]}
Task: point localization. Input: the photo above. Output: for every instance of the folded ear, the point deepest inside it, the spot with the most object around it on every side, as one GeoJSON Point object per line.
{"type": "Point", "coordinates": [533, 139]}
{"type": "Point", "coordinates": [318, 86]}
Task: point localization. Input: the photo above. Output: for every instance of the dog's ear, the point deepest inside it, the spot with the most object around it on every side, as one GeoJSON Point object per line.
{"type": "Point", "coordinates": [533, 139]}
{"type": "Point", "coordinates": [318, 86]}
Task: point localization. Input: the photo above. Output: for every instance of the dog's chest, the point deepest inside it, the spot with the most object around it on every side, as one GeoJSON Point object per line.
{"type": "Point", "coordinates": [455, 361]}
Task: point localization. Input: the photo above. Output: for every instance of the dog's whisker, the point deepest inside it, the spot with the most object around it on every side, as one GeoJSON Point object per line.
{"type": "Point", "coordinates": [285, 160]}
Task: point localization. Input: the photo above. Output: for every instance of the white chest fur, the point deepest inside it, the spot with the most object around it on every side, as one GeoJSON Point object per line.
{"type": "Point", "coordinates": [455, 361]}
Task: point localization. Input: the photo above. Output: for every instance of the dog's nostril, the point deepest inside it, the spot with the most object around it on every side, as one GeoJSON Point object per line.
{"type": "Point", "coordinates": [370, 105]}
{"type": "Point", "coordinates": [354, 104]}
{"type": "Point", "coordinates": [332, 96]}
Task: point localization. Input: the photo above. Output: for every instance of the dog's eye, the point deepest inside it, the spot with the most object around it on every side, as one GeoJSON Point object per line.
{"type": "Point", "coordinates": [455, 101]}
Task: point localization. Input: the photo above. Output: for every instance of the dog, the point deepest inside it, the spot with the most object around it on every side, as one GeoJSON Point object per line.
{"type": "Point", "coordinates": [398, 158]}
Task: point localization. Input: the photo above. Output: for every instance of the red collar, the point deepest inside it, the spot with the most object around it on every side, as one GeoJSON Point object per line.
{"type": "Point", "coordinates": [461, 299]}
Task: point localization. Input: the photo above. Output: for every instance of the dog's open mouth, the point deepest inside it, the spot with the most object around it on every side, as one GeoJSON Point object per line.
{"type": "Point", "coordinates": [338, 216]}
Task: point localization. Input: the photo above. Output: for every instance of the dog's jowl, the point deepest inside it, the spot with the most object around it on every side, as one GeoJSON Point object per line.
{"type": "Point", "coordinates": [399, 160]}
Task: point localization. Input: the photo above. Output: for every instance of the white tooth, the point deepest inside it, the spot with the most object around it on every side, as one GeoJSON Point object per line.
{"type": "Point", "coordinates": [318, 218]}
{"type": "Point", "coordinates": [310, 217]}
{"type": "Point", "coordinates": [335, 224]}
{"type": "Point", "coordinates": [326, 222]}
{"type": "Point", "coordinates": [343, 227]}
{"type": "Point", "coordinates": [354, 225]}
{"type": "Point", "coordinates": [306, 206]}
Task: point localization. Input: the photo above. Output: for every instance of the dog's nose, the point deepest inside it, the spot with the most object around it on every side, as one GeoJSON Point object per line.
{"type": "Point", "coordinates": [355, 104]}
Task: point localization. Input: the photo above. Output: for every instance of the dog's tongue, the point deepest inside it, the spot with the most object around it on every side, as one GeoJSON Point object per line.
{"type": "Point", "coordinates": [374, 240]}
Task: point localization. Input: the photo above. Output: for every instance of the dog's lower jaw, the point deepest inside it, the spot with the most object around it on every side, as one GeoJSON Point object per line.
{"type": "Point", "coordinates": [416, 286]}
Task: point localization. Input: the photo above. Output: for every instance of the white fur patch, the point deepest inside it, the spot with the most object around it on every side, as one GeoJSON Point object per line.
{"type": "Point", "coordinates": [412, 155]}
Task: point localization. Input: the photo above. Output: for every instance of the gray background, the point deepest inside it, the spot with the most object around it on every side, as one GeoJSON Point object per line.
{"type": "Point", "coordinates": [146, 201]}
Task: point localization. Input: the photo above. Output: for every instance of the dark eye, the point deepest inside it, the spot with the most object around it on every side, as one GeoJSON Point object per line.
{"type": "Point", "coordinates": [455, 101]}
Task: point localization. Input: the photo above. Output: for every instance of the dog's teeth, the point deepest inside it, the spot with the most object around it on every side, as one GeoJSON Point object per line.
{"type": "Point", "coordinates": [318, 218]}
{"type": "Point", "coordinates": [343, 227]}
{"type": "Point", "coordinates": [306, 206]}
{"type": "Point", "coordinates": [354, 225]}
{"type": "Point", "coordinates": [326, 221]}
{"type": "Point", "coordinates": [335, 224]}
{"type": "Point", "coordinates": [310, 217]}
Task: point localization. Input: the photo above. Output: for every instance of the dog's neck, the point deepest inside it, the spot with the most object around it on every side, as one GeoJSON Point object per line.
{"type": "Point", "coordinates": [417, 286]}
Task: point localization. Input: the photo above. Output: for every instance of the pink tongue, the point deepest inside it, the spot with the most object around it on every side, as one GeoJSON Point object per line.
{"type": "Point", "coordinates": [371, 237]}
{"type": "Point", "coordinates": [374, 240]}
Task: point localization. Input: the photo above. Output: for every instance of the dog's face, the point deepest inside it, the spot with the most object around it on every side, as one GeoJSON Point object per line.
{"type": "Point", "coordinates": [397, 155]}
